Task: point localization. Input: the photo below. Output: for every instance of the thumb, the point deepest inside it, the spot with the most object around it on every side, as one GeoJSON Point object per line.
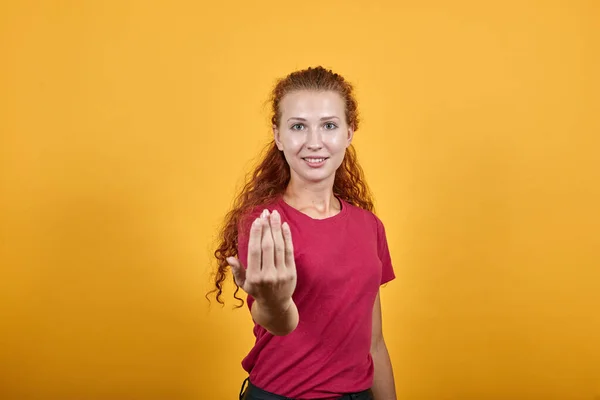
{"type": "Point", "coordinates": [239, 273]}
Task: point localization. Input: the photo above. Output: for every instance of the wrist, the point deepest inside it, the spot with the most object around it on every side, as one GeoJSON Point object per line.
{"type": "Point", "coordinates": [275, 307]}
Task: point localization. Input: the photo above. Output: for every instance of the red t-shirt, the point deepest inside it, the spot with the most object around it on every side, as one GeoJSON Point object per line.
{"type": "Point", "coordinates": [341, 261]}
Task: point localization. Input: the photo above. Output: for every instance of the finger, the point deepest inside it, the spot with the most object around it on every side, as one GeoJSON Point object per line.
{"type": "Point", "coordinates": [267, 243]}
{"type": "Point", "coordinates": [239, 273]}
{"type": "Point", "coordinates": [290, 262]}
{"type": "Point", "coordinates": [254, 248]}
{"type": "Point", "coordinates": [279, 244]}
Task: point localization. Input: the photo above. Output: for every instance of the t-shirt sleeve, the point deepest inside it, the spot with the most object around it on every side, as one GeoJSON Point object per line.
{"type": "Point", "coordinates": [387, 270]}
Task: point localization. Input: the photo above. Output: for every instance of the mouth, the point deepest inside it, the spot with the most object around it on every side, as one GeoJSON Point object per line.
{"type": "Point", "coordinates": [315, 162]}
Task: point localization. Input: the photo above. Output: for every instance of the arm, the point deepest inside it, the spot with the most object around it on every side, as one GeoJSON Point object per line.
{"type": "Point", "coordinates": [278, 320]}
{"type": "Point", "coordinates": [383, 382]}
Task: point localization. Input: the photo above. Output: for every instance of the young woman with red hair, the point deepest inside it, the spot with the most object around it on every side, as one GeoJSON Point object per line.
{"type": "Point", "coordinates": [311, 253]}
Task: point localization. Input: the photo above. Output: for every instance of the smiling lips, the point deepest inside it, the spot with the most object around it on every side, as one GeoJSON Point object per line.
{"type": "Point", "coordinates": [315, 162]}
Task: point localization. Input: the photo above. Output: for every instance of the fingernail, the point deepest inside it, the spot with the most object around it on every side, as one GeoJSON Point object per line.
{"type": "Point", "coordinates": [265, 213]}
{"type": "Point", "coordinates": [275, 215]}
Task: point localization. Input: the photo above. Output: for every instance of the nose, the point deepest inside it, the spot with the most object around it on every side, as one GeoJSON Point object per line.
{"type": "Point", "coordinates": [313, 140]}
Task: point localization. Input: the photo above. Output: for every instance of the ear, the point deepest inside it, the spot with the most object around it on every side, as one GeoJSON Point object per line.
{"type": "Point", "coordinates": [276, 138]}
{"type": "Point", "coordinates": [350, 135]}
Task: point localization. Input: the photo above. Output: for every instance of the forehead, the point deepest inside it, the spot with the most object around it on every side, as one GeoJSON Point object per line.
{"type": "Point", "coordinates": [305, 103]}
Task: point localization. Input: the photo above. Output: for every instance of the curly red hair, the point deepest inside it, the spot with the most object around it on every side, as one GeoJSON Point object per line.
{"type": "Point", "coordinates": [272, 174]}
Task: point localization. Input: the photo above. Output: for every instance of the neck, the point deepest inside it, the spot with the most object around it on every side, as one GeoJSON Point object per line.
{"type": "Point", "coordinates": [316, 200]}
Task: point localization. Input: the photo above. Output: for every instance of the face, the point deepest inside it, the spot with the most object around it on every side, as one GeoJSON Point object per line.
{"type": "Point", "coordinates": [313, 134]}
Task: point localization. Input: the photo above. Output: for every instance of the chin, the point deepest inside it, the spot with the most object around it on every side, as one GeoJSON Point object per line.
{"type": "Point", "coordinates": [316, 177]}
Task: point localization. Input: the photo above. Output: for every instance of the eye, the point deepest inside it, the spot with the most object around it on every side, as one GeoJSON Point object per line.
{"type": "Point", "coordinates": [297, 127]}
{"type": "Point", "coordinates": [330, 126]}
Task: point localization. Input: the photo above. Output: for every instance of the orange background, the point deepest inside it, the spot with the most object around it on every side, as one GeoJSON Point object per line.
{"type": "Point", "coordinates": [126, 127]}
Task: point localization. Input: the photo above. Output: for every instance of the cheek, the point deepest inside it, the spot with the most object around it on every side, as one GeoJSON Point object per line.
{"type": "Point", "coordinates": [292, 143]}
{"type": "Point", "coordinates": [336, 143]}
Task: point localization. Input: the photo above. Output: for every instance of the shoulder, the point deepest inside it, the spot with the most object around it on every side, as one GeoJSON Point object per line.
{"type": "Point", "coordinates": [366, 217]}
{"type": "Point", "coordinates": [251, 213]}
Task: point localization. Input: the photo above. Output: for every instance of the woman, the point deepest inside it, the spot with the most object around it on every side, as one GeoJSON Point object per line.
{"type": "Point", "coordinates": [311, 253]}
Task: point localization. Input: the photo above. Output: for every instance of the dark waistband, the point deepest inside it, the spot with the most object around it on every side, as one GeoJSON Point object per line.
{"type": "Point", "coordinates": [255, 393]}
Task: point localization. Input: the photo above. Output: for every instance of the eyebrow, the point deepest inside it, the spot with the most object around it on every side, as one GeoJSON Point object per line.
{"type": "Point", "coordinates": [304, 119]}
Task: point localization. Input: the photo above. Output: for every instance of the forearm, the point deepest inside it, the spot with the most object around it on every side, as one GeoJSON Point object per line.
{"type": "Point", "coordinates": [279, 321]}
{"type": "Point", "coordinates": [383, 381]}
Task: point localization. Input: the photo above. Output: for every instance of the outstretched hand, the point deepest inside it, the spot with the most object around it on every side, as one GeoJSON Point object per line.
{"type": "Point", "coordinates": [270, 276]}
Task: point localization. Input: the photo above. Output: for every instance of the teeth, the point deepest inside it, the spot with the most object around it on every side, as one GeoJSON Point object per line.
{"type": "Point", "coordinates": [315, 160]}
